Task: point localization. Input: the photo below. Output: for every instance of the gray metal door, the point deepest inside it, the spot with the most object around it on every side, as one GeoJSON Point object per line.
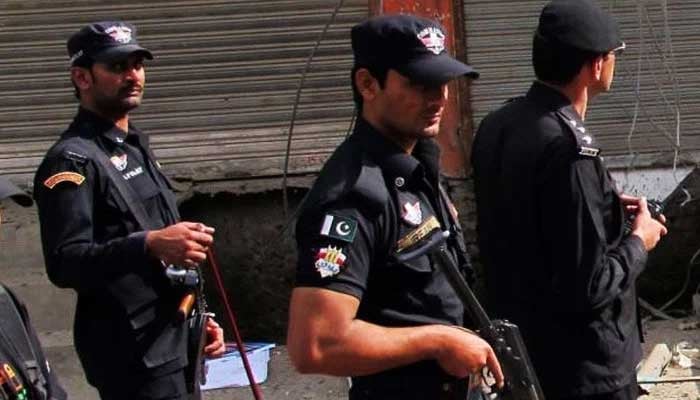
{"type": "Point", "coordinates": [219, 95]}
{"type": "Point", "coordinates": [652, 110]}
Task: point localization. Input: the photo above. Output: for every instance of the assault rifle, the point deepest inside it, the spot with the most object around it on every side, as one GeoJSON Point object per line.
{"type": "Point", "coordinates": [192, 311]}
{"type": "Point", "coordinates": [503, 336]}
{"type": "Point", "coordinates": [656, 209]}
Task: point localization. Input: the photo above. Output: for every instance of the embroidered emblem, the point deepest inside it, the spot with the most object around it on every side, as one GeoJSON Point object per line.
{"type": "Point", "coordinates": [433, 39]}
{"type": "Point", "coordinates": [417, 234]}
{"type": "Point", "coordinates": [329, 260]}
{"type": "Point", "coordinates": [119, 33]}
{"type": "Point", "coordinates": [11, 381]}
{"type": "Point", "coordinates": [341, 228]}
{"type": "Point", "coordinates": [412, 213]}
{"type": "Point", "coordinates": [134, 172]}
{"type": "Point", "coordinates": [119, 162]}
{"type": "Point", "coordinates": [72, 177]}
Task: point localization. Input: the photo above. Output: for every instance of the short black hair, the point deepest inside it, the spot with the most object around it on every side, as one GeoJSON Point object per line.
{"type": "Point", "coordinates": [82, 62]}
{"type": "Point", "coordinates": [557, 63]}
{"type": "Point", "coordinates": [378, 72]}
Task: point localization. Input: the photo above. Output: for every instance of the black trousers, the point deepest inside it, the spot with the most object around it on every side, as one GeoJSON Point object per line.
{"type": "Point", "coordinates": [452, 391]}
{"type": "Point", "coordinates": [629, 392]}
{"type": "Point", "coordinates": [167, 387]}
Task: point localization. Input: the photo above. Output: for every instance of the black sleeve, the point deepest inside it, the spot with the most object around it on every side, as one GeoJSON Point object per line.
{"type": "Point", "coordinates": [588, 269]}
{"type": "Point", "coordinates": [332, 261]}
{"type": "Point", "coordinates": [67, 215]}
{"type": "Point", "coordinates": [56, 392]}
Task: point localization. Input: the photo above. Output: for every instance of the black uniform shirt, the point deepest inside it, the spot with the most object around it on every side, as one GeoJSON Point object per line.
{"type": "Point", "coordinates": [369, 196]}
{"type": "Point", "coordinates": [141, 173]}
{"type": "Point", "coordinates": [87, 223]}
{"type": "Point", "coordinates": [94, 243]}
{"type": "Point", "coordinates": [550, 230]}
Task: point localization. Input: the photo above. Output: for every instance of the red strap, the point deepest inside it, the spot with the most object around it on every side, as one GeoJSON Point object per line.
{"type": "Point", "coordinates": [257, 393]}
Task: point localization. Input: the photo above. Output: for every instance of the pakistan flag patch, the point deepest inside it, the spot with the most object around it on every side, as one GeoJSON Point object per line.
{"type": "Point", "coordinates": [341, 228]}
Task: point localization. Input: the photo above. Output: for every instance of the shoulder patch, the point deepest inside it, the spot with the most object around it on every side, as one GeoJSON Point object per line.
{"type": "Point", "coordinates": [341, 228]}
{"type": "Point", "coordinates": [329, 261]}
{"type": "Point", "coordinates": [72, 177]}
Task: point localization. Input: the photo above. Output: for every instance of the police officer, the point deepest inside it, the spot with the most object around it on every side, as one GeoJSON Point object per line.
{"type": "Point", "coordinates": [357, 310]}
{"type": "Point", "coordinates": [109, 224]}
{"type": "Point", "coordinates": [551, 222]}
{"type": "Point", "coordinates": [24, 371]}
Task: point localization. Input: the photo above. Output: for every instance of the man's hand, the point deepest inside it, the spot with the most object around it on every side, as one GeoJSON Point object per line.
{"type": "Point", "coordinates": [183, 244]}
{"type": "Point", "coordinates": [646, 227]}
{"type": "Point", "coordinates": [215, 346]}
{"type": "Point", "coordinates": [630, 204]}
{"type": "Point", "coordinates": [464, 353]}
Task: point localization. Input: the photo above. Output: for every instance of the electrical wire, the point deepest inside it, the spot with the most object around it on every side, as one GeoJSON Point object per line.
{"type": "Point", "coordinates": [297, 99]}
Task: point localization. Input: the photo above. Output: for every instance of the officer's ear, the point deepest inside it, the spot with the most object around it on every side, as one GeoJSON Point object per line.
{"type": "Point", "coordinates": [366, 84]}
{"type": "Point", "coordinates": [81, 77]}
{"type": "Point", "coordinates": [597, 66]}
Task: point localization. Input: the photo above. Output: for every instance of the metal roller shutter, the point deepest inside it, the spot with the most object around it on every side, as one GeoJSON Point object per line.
{"type": "Point", "coordinates": [219, 95]}
{"type": "Point", "coordinates": [663, 40]}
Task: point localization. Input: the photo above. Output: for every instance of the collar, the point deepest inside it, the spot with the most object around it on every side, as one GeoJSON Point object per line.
{"type": "Point", "coordinates": [553, 100]}
{"type": "Point", "coordinates": [393, 160]}
{"type": "Point", "coordinates": [556, 102]}
{"type": "Point", "coordinates": [106, 128]}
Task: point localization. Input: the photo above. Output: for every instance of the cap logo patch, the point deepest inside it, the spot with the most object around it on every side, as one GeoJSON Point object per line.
{"type": "Point", "coordinates": [72, 177]}
{"type": "Point", "coordinates": [119, 162]}
{"type": "Point", "coordinates": [119, 33]}
{"type": "Point", "coordinates": [329, 260]}
{"type": "Point", "coordinates": [433, 39]}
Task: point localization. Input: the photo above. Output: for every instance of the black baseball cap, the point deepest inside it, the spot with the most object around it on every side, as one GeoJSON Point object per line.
{"type": "Point", "coordinates": [580, 24]}
{"type": "Point", "coordinates": [413, 46]}
{"type": "Point", "coordinates": [104, 41]}
{"type": "Point", "coordinates": [8, 189]}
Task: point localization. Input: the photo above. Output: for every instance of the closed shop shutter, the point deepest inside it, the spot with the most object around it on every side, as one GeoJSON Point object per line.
{"type": "Point", "coordinates": [655, 94]}
{"type": "Point", "coordinates": [219, 95]}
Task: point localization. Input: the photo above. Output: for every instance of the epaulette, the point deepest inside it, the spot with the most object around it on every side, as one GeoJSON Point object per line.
{"type": "Point", "coordinates": [586, 144]}
{"type": "Point", "coordinates": [362, 182]}
{"type": "Point", "coordinates": [371, 188]}
{"type": "Point", "coordinates": [512, 99]}
{"type": "Point", "coordinates": [77, 157]}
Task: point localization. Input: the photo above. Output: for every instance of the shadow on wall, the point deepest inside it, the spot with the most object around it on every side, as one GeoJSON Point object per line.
{"type": "Point", "coordinates": [257, 258]}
